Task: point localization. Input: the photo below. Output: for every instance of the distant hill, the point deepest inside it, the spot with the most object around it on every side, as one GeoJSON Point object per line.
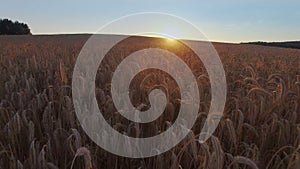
{"type": "Point", "coordinates": [292, 44]}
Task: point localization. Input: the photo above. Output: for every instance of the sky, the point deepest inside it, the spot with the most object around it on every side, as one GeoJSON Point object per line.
{"type": "Point", "coordinates": [219, 20]}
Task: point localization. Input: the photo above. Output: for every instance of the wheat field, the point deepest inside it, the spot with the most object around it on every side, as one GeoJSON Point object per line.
{"type": "Point", "coordinates": [39, 129]}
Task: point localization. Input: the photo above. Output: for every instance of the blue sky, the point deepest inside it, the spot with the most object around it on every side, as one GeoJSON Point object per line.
{"type": "Point", "coordinates": [220, 20]}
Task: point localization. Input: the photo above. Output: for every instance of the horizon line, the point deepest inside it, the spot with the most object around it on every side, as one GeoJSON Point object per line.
{"type": "Point", "coordinates": [187, 39]}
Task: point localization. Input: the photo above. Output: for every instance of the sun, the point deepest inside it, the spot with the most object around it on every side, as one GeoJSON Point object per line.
{"type": "Point", "coordinates": [170, 40]}
{"type": "Point", "coordinates": [167, 37]}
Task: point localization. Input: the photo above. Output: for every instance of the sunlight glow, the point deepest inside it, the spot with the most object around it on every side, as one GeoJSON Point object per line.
{"type": "Point", "coordinates": [159, 35]}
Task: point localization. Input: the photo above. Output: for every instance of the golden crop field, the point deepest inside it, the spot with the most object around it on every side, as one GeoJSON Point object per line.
{"type": "Point", "coordinates": [39, 129]}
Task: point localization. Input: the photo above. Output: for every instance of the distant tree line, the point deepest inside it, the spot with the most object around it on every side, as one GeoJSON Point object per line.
{"type": "Point", "coordinates": [292, 44]}
{"type": "Point", "coordinates": [8, 27]}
